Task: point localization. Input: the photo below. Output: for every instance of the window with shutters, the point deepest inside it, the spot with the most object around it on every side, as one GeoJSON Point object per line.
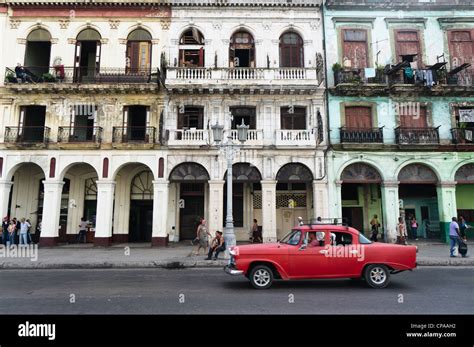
{"type": "Point", "coordinates": [138, 51]}
{"type": "Point", "coordinates": [190, 117]}
{"type": "Point", "coordinates": [245, 114]}
{"type": "Point", "coordinates": [413, 117]}
{"type": "Point", "coordinates": [461, 51]}
{"type": "Point", "coordinates": [293, 118]}
{"type": "Point", "coordinates": [358, 117]}
{"type": "Point", "coordinates": [191, 49]}
{"type": "Point", "coordinates": [408, 46]}
{"type": "Point", "coordinates": [242, 50]}
{"type": "Point", "coordinates": [355, 48]}
{"type": "Point", "coordinates": [291, 50]}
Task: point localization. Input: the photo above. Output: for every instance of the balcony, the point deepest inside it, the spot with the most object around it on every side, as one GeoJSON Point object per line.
{"type": "Point", "coordinates": [27, 135]}
{"type": "Point", "coordinates": [134, 135]}
{"type": "Point", "coordinates": [56, 78]}
{"type": "Point", "coordinates": [230, 79]}
{"type": "Point", "coordinates": [80, 135]}
{"type": "Point", "coordinates": [417, 136]}
{"type": "Point", "coordinates": [361, 136]}
{"type": "Point", "coordinates": [295, 138]}
{"type": "Point", "coordinates": [462, 136]}
{"type": "Point", "coordinates": [254, 137]}
{"type": "Point", "coordinates": [188, 137]}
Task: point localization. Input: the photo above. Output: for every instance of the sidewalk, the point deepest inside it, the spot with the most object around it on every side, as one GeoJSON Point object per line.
{"type": "Point", "coordinates": [175, 256]}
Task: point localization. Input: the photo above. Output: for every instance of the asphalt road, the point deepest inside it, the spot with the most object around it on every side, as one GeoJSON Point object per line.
{"type": "Point", "coordinates": [429, 290]}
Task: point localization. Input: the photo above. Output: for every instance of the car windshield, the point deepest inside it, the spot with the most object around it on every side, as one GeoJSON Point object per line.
{"type": "Point", "coordinates": [292, 238]}
{"type": "Point", "coordinates": [363, 239]}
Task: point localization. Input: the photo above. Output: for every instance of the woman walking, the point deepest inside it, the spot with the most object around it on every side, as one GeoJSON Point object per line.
{"type": "Point", "coordinates": [11, 234]}
{"type": "Point", "coordinates": [202, 234]}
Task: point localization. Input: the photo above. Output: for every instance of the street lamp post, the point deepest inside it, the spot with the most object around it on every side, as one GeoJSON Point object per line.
{"type": "Point", "coordinates": [229, 149]}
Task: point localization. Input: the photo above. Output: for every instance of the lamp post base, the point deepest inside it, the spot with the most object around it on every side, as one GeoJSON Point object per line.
{"type": "Point", "coordinates": [230, 241]}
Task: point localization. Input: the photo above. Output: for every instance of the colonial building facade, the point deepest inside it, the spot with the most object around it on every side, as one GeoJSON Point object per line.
{"type": "Point", "coordinates": [401, 110]}
{"type": "Point", "coordinates": [107, 107]}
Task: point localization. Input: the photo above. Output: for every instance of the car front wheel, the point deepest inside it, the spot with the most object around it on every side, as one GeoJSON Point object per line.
{"type": "Point", "coordinates": [261, 277]}
{"type": "Point", "coordinates": [377, 276]}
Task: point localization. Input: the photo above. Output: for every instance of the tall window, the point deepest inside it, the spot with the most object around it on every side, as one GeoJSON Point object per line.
{"type": "Point", "coordinates": [291, 50]}
{"type": "Point", "coordinates": [242, 50]}
{"type": "Point", "coordinates": [355, 48]}
{"type": "Point", "coordinates": [408, 47]}
{"type": "Point", "coordinates": [190, 117]}
{"type": "Point", "coordinates": [191, 49]}
{"type": "Point", "coordinates": [247, 114]}
{"type": "Point", "coordinates": [138, 58]}
{"type": "Point", "coordinates": [358, 117]}
{"type": "Point", "coordinates": [414, 117]}
{"type": "Point", "coordinates": [293, 118]}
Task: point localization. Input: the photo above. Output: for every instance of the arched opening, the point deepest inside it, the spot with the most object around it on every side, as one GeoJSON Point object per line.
{"type": "Point", "coordinates": [294, 197]}
{"type": "Point", "coordinates": [242, 50]}
{"type": "Point", "coordinates": [138, 56]}
{"type": "Point", "coordinates": [87, 55]}
{"type": "Point", "coordinates": [419, 199]}
{"type": "Point", "coordinates": [464, 192]}
{"type": "Point", "coordinates": [26, 196]}
{"type": "Point", "coordinates": [141, 207]}
{"type": "Point", "coordinates": [245, 180]}
{"type": "Point", "coordinates": [38, 53]}
{"type": "Point", "coordinates": [361, 197]}
{"type": "Point", "coordinates": [291, 50]}
{"type": "Point", "coordinates": [188, 187]}
{"type": "Point", "coordinates": [191, 48]}
{"type": "Point", "coordinates": [79, 200]}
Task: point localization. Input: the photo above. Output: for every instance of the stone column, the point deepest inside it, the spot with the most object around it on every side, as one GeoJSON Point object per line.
{"type": "Point", "coordinates": [320, 199]}
{"type": "Point", "coordinates": [447, 206]}
{"type": "Point", "coordinates": [269, 229]}
{"type": "Point", "coordinates": [51, 211]}
{"type": "Point", "coordinates": [390, 209]}
{"type": "Point", "coordinates": [338, 200]}
{"type": "Point", "coordinates": [216, 205]}
{"type": "Point", "coordinates": [159, 235]}
{"type": "Point", "coordinates": [105, 207]}
{"type": "Point", "coordinates": [5, 188]}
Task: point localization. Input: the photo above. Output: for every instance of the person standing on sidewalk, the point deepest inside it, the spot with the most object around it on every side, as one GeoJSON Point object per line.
{"type": "Point", "coordinates": [11, 234]}
{"type": "Point", "coordinates": [24, 226]}
{"type": "Point", "coordinates": [202, 234]}
{"type": "Point", "coordinates": [402, 232]}
{"type": "Point", "coordinates": [462, 227]}
{"type": "Point", "coordinates": [414, 228]}
{"type": "Point", "coordinates": [454, 235]}
{"type": "Point", "coordinates": [5, 225]}
{"type": "Point", "coordinates": [82, 231]}
{"type": "Point", "coordinates": [374, 225]}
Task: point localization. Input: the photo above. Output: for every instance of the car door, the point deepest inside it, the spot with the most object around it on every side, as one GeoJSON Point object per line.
{"type": "Point", "coordinates": [306, 261]}
{"type": "Point", "coordinates": [346, 256]}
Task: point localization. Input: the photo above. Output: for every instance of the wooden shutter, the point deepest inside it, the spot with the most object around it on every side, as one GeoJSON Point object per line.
{"type": "Point", "coordinates": [133, 53]}
{"type": "Point", "coordinates": [407, 42]}
{"type": "Point", "coordinates": [201, 57]}
{"type": "Point", "coordinates": [358, 117]}
{"type": "Point", "coordinates": [181, 117]}
{"type": "Point", "coordinates": [355, 48]}
{"type": "Point", "coordinates": [411, 120]}
{"type": "Point", "coordinates": [461, 47]}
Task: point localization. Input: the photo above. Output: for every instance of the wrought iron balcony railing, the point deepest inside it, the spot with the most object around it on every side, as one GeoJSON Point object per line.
{"type": "Point", "coordinates": [27, 135]}
{"type": "Point", "coordinates": [62, 74]}
{"type": "Point", "coordinates": [134, 134]}
{"type": "Point", "coordinates": [80, 134]}
{"type": "Point", "coordinates": [462, 136]}
{"type": "Point", "coordinates": [355, 135]}
{"type": "Point", "coordinates": [356, 76]}
{"type": "Point", "coordinates": [417, 136]}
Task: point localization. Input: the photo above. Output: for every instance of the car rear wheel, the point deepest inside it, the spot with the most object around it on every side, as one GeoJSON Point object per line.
{"type": "Point", "coordinates": [261, 277]}
{"type": "Point", "coordinates": [377, 276]}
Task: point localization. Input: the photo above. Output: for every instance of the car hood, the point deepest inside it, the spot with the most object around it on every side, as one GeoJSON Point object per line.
{"type": "Point", "coordinates": [260, 248]}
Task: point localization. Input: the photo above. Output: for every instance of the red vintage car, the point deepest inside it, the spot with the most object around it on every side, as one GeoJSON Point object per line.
{"type": "Point", "coordinates": [321, 251]}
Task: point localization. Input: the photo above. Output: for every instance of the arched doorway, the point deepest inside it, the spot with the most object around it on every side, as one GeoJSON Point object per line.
{"type": "Point", "coordinates": [138, 56]}
{"type": "Point", "coordinates": [419, 199]}
{"type": "Point", "coordinates": [141, 207]}
{"type": "Point", "coordinates": [293, 196]}
{"type": "Point", "coordinates": [38, 52]}
{"type": "Point", "coordinates": [26, 196]}
{"type": "Point", "coordinates": [87, 55]}
{"type": "Point", "coordinates": [242, 49]}
{"type": "Point", "coordinates": [191, 48]}
{"type": "Point", "coordinates": [291, 50]}
{"type": "Point", "coordinates": [79, 200]}
{"type": "Point", "coordinates": [189, 184]}
{"type": "Point", "coordinates": [361, 196]}
{"type": "Point", "coordinates": [245, 181]}
{"type": "Point", "coordinates": [464, 194]}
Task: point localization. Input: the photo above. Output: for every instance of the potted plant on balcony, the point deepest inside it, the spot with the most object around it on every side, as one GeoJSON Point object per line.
{"type": "Point", "coordinates": [337, 68]}
{"type": "Point", "coordinates": [47, 77]}
{"type": "Point", "coordinates": [11, 78]}
{"type": "Point", "coordinates": [461, 133]}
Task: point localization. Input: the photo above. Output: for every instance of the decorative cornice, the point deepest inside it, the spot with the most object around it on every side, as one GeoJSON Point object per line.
{"type": "Point", "coordinates": [21, 41]}
{"type": "Point", "coordinates": [417, 21]}
{"type": "Point", "coordinates": [364, 20]}
{"type": "Point", "coordinates": [104, 41]}
{"type": "Point", "coordinates": [71, 41]}
{"type": "Point", "coordinates": [445, 22]}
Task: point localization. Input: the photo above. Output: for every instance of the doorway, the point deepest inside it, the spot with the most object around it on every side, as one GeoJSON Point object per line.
{"type": "Point", "coordinates": [32, 120]}
{"type": "Point", "coordinates": [141, 221]}
{"type": "Point", "coordinates": [354, 217]}
{"type": "Point", "coordinates": [136, 120]}
{"type": "Point", "coordinates": [192, 195]}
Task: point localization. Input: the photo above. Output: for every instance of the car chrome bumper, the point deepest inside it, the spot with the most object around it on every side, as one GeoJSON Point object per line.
{"type": "Point", "coordinates": [231, 271]}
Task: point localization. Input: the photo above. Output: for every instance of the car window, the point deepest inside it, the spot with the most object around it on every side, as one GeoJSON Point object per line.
{"type": "Point", "coordinates": [341, 238]}
{"type": "Point", "coordinates": [292, 238]}
{"type": "Point", "coordinates": [363, 240]}
{"type": "Point", "coordinates": [315, 238]}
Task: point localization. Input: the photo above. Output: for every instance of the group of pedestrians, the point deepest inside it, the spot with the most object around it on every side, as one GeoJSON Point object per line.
{"type": "Point", "coordinates": [16, 231]}
{"type": "Point", "coordinates": [214, 247]}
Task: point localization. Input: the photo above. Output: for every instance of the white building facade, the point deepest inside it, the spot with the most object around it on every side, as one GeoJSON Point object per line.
{"type": "Point", "coordinates": [109, 117]}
